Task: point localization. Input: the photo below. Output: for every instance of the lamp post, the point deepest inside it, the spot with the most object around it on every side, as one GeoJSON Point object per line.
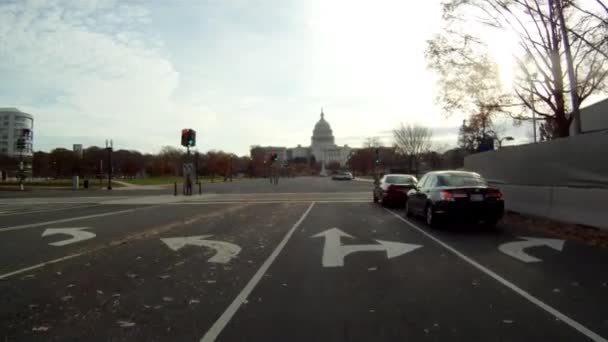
{"type": "Point", "coordinates": [109, 147]}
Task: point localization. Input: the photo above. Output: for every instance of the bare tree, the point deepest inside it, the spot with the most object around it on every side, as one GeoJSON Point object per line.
{"type": "Point", "coordinates": [372, 142]}
{"type": "Point", "coordinates": [412, 141]}
{"type": "Point", "coordinates": [542, 84]}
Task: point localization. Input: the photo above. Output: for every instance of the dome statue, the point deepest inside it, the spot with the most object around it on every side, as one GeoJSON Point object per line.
{"type": "Point", "coordinates": [322, 134]}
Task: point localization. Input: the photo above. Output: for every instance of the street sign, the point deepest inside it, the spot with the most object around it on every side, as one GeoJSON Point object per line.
{"type": "Point", "coordinates": [224, 251]}
{"type": "Point", "coordinates": [515, 249]}
{"type": "Point", "coordinates": [188, 169]}
{"type": "Point", "coordinates": [77, 148]}
{"type": "Point", "coordinates": [334, 251]}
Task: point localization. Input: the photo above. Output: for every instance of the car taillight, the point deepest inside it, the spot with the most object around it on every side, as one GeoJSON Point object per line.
{"type": "Point", "coordinates": [446, 196]}
{"type": "Point", "coordinates": [494, 193]}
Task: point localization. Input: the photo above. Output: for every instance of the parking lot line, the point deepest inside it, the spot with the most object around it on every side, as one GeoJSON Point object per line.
{"type": "Point", "coordinates": [571, 322]}
{"type": "Point", "coordinates": [227, 315]}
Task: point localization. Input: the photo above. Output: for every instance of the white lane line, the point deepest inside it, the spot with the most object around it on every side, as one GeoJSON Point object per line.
{"type": "Point", "coordinates": [221, 322]}
{"type": "Point", "coordinates": [572, 323]}
{"type": "Point", "coordinates": [50, 262]}
{"type": "Point", "coordinates": [273, 202]}
{"type": "Point", "coordinates": [48, 210]}
{"type": "Point", "coordinates": [38, 224]}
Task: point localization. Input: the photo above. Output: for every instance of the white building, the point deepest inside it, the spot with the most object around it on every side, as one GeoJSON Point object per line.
{"type": "Point", "coordinates": [322, 146]}
{"type": "Point", "coordinates": [15, 125]}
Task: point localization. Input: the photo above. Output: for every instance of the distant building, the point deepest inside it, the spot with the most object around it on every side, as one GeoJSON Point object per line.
{"type": "Point", "coordinates": [322, 147]}
{"type": "Point", "coordinates": [15, 125]}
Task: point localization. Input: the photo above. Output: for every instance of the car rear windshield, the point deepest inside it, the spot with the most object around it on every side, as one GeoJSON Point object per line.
{"type": "Point", "coordinates": [400, 180]}
{"type": "Point", "coordinates": [460, 180]}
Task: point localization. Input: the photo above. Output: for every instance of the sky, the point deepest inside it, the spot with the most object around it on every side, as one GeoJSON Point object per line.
{"type": "Point", "coordinates": [239, 72]}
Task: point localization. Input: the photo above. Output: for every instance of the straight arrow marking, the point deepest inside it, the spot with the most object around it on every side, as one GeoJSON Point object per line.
{"type": "Point", "coordinates": [334, 251]}
{"type": "Point", "coordinates": [78, 234]}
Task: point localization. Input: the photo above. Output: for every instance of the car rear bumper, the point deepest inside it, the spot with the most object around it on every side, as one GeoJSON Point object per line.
{"type": "Point", "coordinates": [395, 197]}
{"type": "Point", "coordinates": [470, 210]}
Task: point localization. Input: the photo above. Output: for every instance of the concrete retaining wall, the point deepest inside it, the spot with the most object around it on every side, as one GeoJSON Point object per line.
{"type": "Point", "coordinates": [576, 205]}
{"type": "Point", "coordinates": [564, 179]}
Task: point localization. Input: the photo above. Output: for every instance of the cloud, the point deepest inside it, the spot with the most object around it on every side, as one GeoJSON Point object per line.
{"type": "Point", "coordinates": [86, 68]}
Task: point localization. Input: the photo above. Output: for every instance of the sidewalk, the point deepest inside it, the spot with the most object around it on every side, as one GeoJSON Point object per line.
{"type": "Point", "coordinates": [129, 186]}
{"type": "Point", "coordinates": [366, 180]}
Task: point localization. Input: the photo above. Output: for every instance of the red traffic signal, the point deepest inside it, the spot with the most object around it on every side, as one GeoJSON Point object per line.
{"type": "Point", "coordinates": [188, 137]}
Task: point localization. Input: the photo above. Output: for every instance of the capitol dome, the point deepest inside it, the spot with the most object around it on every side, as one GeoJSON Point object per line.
{"type": "Point", "coordinates": [322, 134]}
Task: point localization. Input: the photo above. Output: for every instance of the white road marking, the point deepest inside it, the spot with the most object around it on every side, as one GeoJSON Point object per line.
{"type": "Point", "coordinates": [571, 322]}
{"type": "Point", "coordinates": [78, 234]}
{"type": "Point", "coordinates": [334, 251]}
{"type": "Point", "coordinates": [50, 262]}
{"type": "Point", "coordinates": [38, 224]}
{"type": "Point", "coordinates": [515, 249]}
{"type": "Point", "coordinates": [274, 201]}
{"type": "Point", "coordinates": [46, 210]}
{"type": "Point", "coordinates": [221, 322]}
{"type": "Point", "coordinates": [224, 251]}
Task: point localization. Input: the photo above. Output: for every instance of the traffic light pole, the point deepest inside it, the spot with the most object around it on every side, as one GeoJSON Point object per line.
{"type": "Point", "coordinates": [109, 149]}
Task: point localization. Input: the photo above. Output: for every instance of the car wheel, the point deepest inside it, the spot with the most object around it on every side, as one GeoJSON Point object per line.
{"type": "Point", "coordinates": [408, 212]}
{"type": "Point", "coordinates": [431, 220]}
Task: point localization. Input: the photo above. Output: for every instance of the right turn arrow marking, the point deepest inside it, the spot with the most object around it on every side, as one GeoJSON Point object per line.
{"type": "Point", "coordinates": [515, 249]}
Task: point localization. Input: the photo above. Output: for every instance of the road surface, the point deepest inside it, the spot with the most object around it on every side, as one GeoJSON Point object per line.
{"type": "Point", "coordinates": [308, 260]}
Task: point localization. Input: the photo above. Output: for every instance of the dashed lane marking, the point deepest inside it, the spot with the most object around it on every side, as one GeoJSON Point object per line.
{"type": "Point", "coordinates": [221, 322]}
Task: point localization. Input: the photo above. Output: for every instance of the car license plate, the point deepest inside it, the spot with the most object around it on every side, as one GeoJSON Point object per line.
{"type": "Point", "coordinates": [476, 197]}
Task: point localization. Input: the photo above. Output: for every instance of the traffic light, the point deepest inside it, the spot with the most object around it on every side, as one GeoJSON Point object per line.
{"type": "Point", "coordinates": [188, 137]}
{"type": "Point", "coordinates": [377, 156]}
{"type": "Point", "coordinates": [273, 157]}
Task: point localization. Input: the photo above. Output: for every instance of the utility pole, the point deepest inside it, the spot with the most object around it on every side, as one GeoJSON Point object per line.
{"type": "Point", "coordinates": [576, 114]}
{"type": "Point", "coordinates": [109, 148]}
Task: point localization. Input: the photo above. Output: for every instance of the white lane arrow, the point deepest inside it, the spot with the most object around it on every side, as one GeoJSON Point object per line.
{"type": "Point", "coordinates": [334, 251]}
{"type": "Point", "coordinates": [78, 234]}
{"type": "Point", "coordinates": [515, 249]}
{"type": "Point", "coordinates": [224, 251]}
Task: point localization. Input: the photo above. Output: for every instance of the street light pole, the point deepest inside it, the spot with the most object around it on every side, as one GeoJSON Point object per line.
{"type": "Point", "coordinates": [109, 149]}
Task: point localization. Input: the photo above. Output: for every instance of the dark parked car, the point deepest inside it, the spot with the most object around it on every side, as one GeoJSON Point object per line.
{"type": "Point", "coordinates": [458, 195]}
{"type": "Point", "coordinates": [393, 189]}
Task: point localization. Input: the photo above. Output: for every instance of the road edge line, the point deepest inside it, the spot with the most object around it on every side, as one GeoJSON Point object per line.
{"type": "Point", "coordinates": [50, 262]}
{"type": "Point", "coordinates": [569, 321]}
{"type": "Point", "coordinates": [70, 219]}
{"type": "Point", "coordinates": [49, 210]}
{"type": "Point", "coordinates": [224, 319]}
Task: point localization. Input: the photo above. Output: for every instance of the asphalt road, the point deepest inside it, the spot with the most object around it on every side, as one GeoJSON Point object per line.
{"type": "Point", "coordinates": [307, 260]}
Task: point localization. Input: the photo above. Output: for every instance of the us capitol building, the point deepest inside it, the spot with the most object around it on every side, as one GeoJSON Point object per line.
{"type": "Point", "coordinates": [322, 147]}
